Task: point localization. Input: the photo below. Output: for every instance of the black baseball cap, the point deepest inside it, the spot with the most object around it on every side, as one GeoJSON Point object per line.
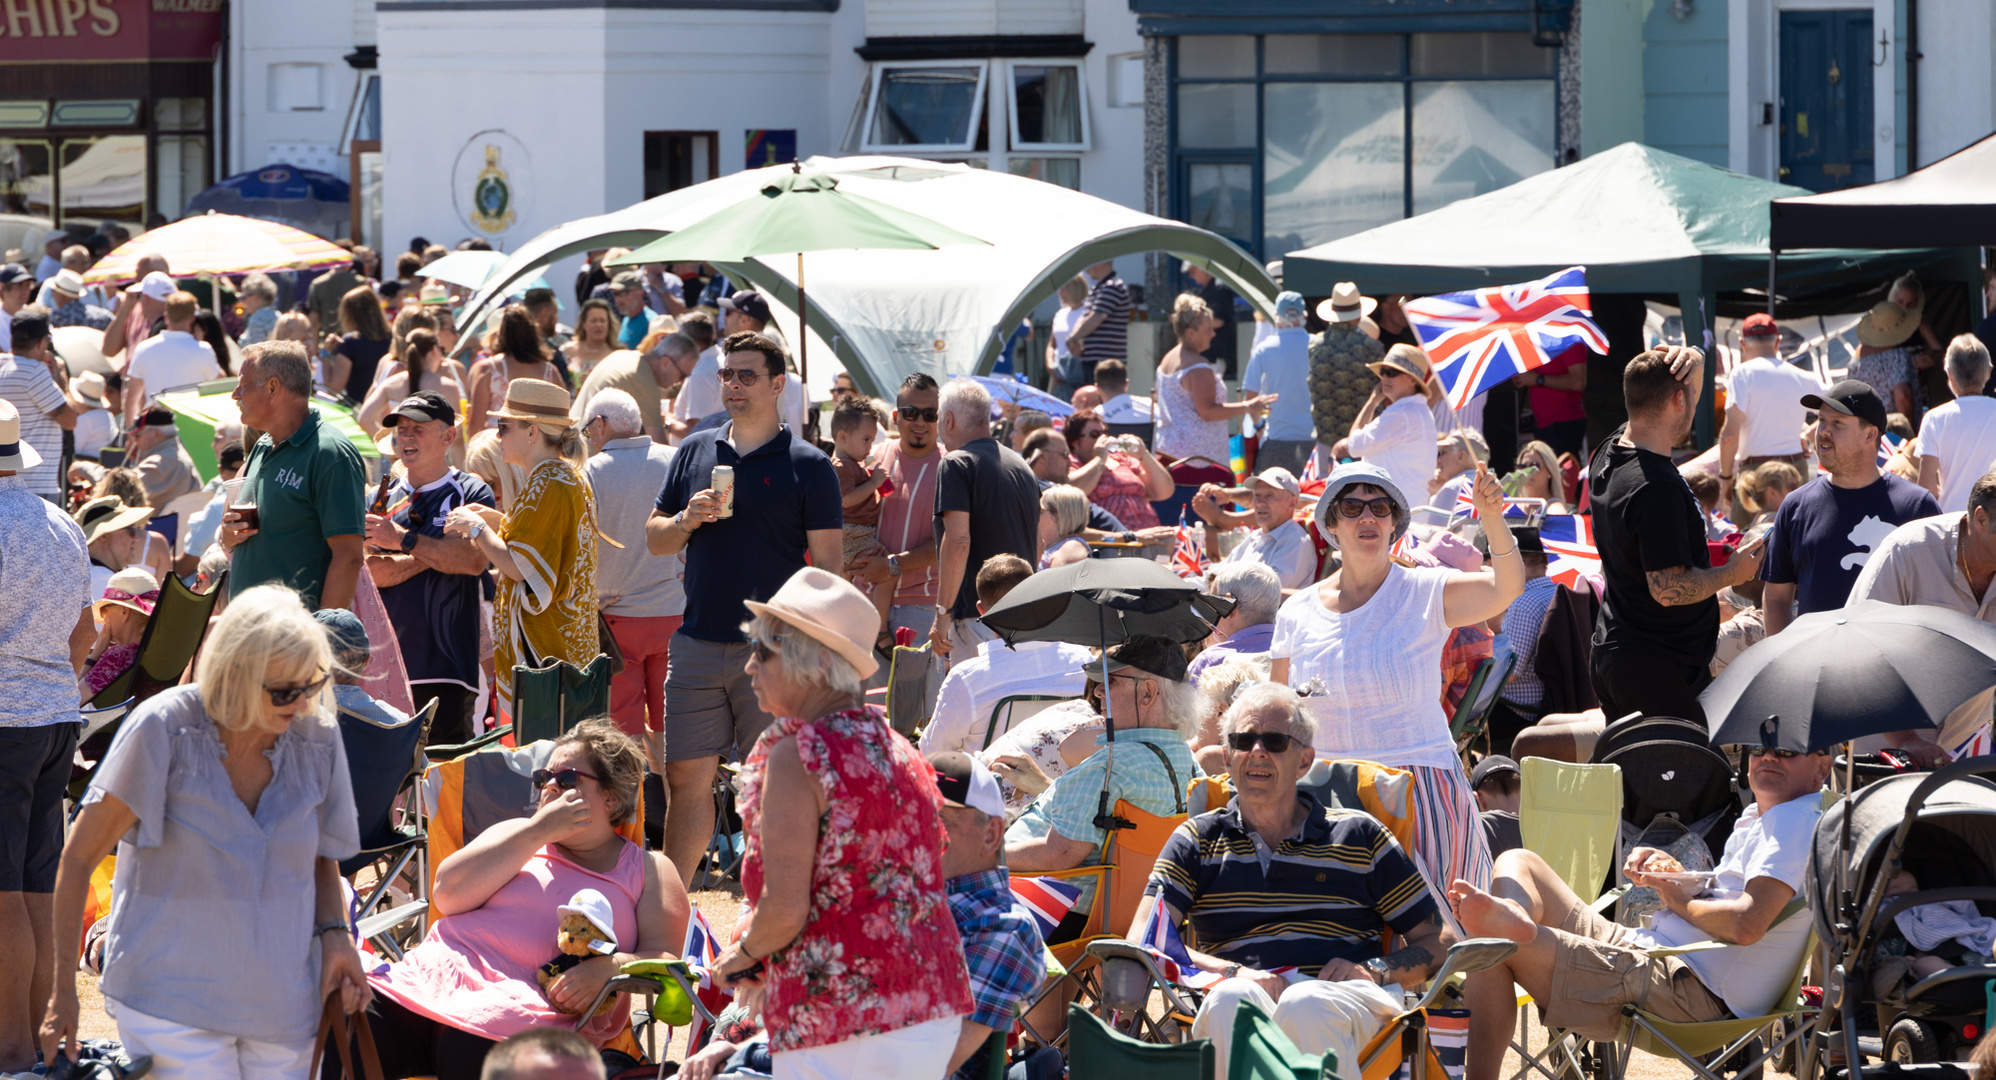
{"type": "Point", "coordinates": [1149, 654]}
{"type": "Point", "coordinates": [422, 406]}
{"type": "Point", "coordinates": [1494, 765]}
{"type": "Point", "coordinates": [748, 302]}
{"type": "Point", "coordinates": [1851, 398]}
{"type": "Point", "coordinates": [13, 272]}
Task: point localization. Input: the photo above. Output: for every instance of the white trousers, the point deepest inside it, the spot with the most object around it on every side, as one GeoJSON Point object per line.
{"type": "Point", "coordinates": [1316, 1015]}
{"type": "Point", "coordinates": [180, 1052]}
{"type": "Point", "coordinates": [920, 1052]}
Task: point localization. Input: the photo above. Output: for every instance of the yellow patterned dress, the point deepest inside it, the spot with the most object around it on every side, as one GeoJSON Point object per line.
{"type": "Point", "coordinates": [551, 614]}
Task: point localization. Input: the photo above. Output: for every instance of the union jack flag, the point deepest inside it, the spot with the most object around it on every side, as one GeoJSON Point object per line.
{"type": "Point", "coordinates": [1048, 900]}
{"type": "Point", "coordinates": [1188, 555]}
{"type": "Point", "coordinates": [1519, 509]}
{"type": "Point", "coordinates": [1313, 469]}
{"type": "Point", "coordinates": [1160, 939]}
{"type": "Point", "coordinates": [1476, 340]}
{"type": "Point", "coordinates": [1570, 550]}
{"type": "Point", "coordinates": [701, 949]}
{"type": "Point", "coordinates": [1888, 445]}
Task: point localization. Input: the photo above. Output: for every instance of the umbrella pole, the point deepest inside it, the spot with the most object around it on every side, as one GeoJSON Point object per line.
{"type": "Point", "coordinates": [803, 329]}
{"type": "Point", "coordinates": [1103, 820]}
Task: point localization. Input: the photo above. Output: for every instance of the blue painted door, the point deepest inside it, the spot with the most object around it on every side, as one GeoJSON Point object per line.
{"type": "Point", "coordinates": [1826, 140]}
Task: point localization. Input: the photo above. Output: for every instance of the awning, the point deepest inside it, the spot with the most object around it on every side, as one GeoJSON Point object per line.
{"type": "Point", "coordinates": [1951, 202]}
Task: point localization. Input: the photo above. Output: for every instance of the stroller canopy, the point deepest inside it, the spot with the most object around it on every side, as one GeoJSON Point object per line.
{"type": "Point", "coordinates": [1955, 826]}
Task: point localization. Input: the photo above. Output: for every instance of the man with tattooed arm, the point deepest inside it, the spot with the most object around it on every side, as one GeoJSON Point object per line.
{"type": "Point", "coordinates": [1659, 620]}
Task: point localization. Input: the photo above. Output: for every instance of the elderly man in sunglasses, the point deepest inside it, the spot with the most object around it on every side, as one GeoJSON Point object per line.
{"type": "Point", "coordinates": [1598, 966]}
{"type": "Point", "coordinates": [1290, 897]}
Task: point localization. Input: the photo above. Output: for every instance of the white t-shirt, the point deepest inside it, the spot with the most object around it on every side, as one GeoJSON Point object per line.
{"type": "Point", "coordinates": [94, 431]}
{"type": "Point", "coordinates": [1962, 434]}
{"type": "Point", "coordinates": [1749, 977]}
{"type": "Point", "coordinates": [1285, 549]}
{"type": "Point", "coordinates": [701, 396]}
{"type": "Point", "coordinates": [172, 358]}
{"type": "Point", "coordinates": [1401, 440]}
{"type": "Point", "coordinates": [1374, 675]}
{"type": "Point", "coordinates": [1064, 322]}
{"type": "Point", "coordinates": [1769, 393]}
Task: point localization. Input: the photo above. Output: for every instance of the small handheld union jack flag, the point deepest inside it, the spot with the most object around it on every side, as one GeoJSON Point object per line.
{"type": "Point", "coordinates": [1476, 340]}
{"type": "Point", "coordinates": [1570, 550]}
{"type": "Point", "coordinates": [1047, 900]}
{"type": "Point", "coordinates": [702, 949]}
{"type": "Point", "coordinates": [1188, 555]}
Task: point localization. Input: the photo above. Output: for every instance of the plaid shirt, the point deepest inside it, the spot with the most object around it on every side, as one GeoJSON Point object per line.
{"type": "Point", "coordinates": [1339, 380]}
{"type": "Point", "coordinates": [1069, 805]}
{"type": "Point", "coordinates": [1467, 647]}
{"type": "Point", "coordinates": [1523, 624]}
{"type": "Point", "coordinates": [1001, 946]}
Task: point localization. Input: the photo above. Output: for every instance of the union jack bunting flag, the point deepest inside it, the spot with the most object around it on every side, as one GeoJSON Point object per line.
{"type": "Point", "coordinates": [701, 950]}
{"type": "Point", "coordinates": [1518, 509]}
{"type": "Point", "coordinates": [1048, 900]}
{"type": "Point", "coordinates": [1161, 940]}
{"type": "Point", "coordinates": [1476, 340]}
{"type": "Point", "coordinates": [1188, 555]}
{"type": "Point", "coordinates": [1313, 468]}
{"type": "Point", "coordinates": [1570, 550]}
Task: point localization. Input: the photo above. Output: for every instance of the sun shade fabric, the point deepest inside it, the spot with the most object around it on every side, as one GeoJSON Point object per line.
{"type": "Point", "coordinates": [1949, 202]}
{"type": "Point", "coordinates": [215, 243]}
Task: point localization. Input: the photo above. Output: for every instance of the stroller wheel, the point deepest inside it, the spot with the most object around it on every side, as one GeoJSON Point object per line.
{"type": "Point", "coordinates": [1911, 1042]}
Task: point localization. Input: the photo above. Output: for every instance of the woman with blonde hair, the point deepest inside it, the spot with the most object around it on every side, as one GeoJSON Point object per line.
{"type": "Point", "coordinates": [1546, 480]}
{"type": "Point", "coordinates": [1762, 488]}
{"type": "Point", "coordinates": [229, 806]}
{"type": "Point", "coordinates": [1192, 406]}
{"type": "Point", "coordinates": [544, 546]}
{"type": "Point", "coordinates": [425, 369]}
{"type": "Point", "coordinates": [1063, 514]}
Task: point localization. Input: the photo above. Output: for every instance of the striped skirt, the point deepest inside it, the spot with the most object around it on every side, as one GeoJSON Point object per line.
{"type": "Point", "coordinates": [1448, 833]}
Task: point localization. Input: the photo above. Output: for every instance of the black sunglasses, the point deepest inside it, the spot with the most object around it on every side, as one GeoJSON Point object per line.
{"type": "Point", "coordinates": [565, 779]}
{"type": "Point", "coordinates": [765, 649]}
{"type": "Point", "coordinates": [1243, 741]}
{"type": "Point", "coordinates": [281, 696]}
{"type": "Point", "coordinates": [1763, 751]}
{"type": "Point", "coordinates": [1382, 508]}
{"type": "Point", "coordinates": [742, 375]}
{"type": "Point", "coordinates": [909, 412]}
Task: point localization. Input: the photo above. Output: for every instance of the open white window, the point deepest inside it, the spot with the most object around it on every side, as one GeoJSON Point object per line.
{"type": "Point", "coordinates": [925, 106]}
{"type": "Point", "coordinates": [1049, 104]}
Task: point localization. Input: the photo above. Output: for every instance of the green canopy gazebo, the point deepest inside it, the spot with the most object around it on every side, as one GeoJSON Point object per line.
{"type": "Point", "coordinates": [1641, 220]}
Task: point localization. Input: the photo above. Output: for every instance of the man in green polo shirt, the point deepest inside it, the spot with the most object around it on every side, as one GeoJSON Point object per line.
{"type": "Point", "coordinates": [309, 486]}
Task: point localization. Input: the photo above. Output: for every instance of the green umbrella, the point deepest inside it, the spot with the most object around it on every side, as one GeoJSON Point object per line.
{"type": "Point", "coordinates": [200, 410]}
{"type": "Point", "coordinates": [797, 213]}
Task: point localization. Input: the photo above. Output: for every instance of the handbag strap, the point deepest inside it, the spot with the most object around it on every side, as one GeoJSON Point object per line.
{"type": "Point", "coordinates": [333, 1022]}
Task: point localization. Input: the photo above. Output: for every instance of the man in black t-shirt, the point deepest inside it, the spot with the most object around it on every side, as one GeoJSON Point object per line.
{"type": "Point", "coordinates": [1659, 620]}
{"type": "Point", "coordinates": [987, 503]}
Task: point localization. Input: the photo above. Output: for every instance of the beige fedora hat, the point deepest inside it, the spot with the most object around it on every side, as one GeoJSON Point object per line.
{"type": "Point", "coordinates": [1407, 360]}
{"type": "Point", "coordinates": [536, 401]}
{"type": "Point", "coordinates": [1345, 304]}
{"type": "Point", "coordinates": [14, 454]}
{"type": "Point", "coordinates": [1887, 324]}
{"type": "Point", "coordinates": [832, 612]}
{"type": "Point", "coordinates": [108, 514]}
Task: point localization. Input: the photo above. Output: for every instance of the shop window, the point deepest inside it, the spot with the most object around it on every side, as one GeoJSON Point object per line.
{"type": "Point", "coordinates": [1049, 106]}
{"type": "Point", "coordinates": [1487, 55]}
{"type": "Point", "coordinates": [1064, 172]}
{"type": "Point", "coordinates": [297, 87]}
{"type": "Point", "coordinates": [1332, 54]}
{"type": "Point", "coordinates": [1475, 136]}
{"type": "Point", "coordinates": [24, 114]}
{"type": "Point", "coordinates": [104, 178]}
{"type": "Point", "coordinates": [1220, 198]}
{"type": "Point", "coordinates": [1333, 161]}
{"type": "Point", "coordinates": [927, 106]}
{"type": "Point", "coordinates": [1215, 115]}
{"type": "Point", "coordinates": [677, 159]}
{"type": "Point", "coordinates": [96, 114]}
{"type": "Point", "coordinates": [182, 173]}
{"type": "Point", "coordinates": [1216, 56]}
{"type": "Point", "coordinates": [26, 178]}
{"type": "Point", "coordinates": [180, 114]}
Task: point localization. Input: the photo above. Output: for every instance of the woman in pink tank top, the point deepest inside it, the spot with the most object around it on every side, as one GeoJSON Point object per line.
{"type": "Point", "coordinates": [471, 982]}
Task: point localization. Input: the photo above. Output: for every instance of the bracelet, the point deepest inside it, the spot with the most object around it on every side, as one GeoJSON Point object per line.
{"type": "Point", "coordinates": [743, 946]}
{"type": "Point", "coordinates": [329, 925]}
{"type": "Point", "coordinates": [1503, 554]}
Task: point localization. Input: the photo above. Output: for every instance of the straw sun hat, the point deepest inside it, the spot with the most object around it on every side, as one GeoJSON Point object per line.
{"type": "Point", "coordinates": [1886, 325]}
{"type": "Point", "coordinates": [133, 587]}
{"type": "Point", "coordinates": [832, 612]}
{"type": "Point", "coordinates": [106, 515]}
{"type": "Point", "coordinates": [1407, 360]}
{"type": "Point", "coordinates": [538, 402]}
{"type": "Point", "coordinates": [15, 455]}
{"type": "Point", "coordinates": [1345, 304]}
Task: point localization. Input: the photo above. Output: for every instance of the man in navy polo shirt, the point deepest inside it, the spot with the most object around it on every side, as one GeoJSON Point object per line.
{"type": "Point", "coordinates": [430, 582]}
{"type": "Point", "coordinates": [786, 502]}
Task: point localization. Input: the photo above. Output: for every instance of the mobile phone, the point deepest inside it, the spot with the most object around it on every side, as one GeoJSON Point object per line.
{"type": "Point", "coordinates": [748, 972]}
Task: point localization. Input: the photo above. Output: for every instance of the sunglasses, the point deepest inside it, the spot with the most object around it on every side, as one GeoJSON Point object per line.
{"type": "Point", "coordinates": [1352, 508]}
{"type": "Point", "coordinates": [744, 376]}
{"type": "Point", "coordinates": [1243, 741]}
{"type": "Point", "coordinates": [765, 649]}
{"type": "Point", "coordinates": [909, 412]}
{"type": "Point", "coordinates": [1763, 751]}
{"type": "Point", "coordinates": [565, 779]}
{"type": "Point", "coordinates": [281, 696]}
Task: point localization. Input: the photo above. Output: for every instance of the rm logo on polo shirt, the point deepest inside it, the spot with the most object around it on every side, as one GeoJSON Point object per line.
{"type": "Point", "coordinates": [290, 478]}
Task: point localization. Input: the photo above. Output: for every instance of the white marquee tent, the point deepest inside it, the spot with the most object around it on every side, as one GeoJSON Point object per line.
{"type": "Point", "coordinates": [888, 314]}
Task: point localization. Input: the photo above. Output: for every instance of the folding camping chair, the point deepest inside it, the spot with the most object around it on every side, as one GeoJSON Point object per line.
{"type": "Point", "coordinates": [547, 701]}
{"type": "Point", "coordinates": [1260, 1051]}
{"type": "Point", "coordinates": [172, 637]}
{"type": "Point", "coordinates": [1017, 707]}
{"type": "Point", "coordinates": [1098, 1052]}
{"type": "Point", "coordinates": [1485, 686]}
{"type": "Point", "coordinates": [1407, 1035]}
{"type": "Point", "coordinates": [386, 763]}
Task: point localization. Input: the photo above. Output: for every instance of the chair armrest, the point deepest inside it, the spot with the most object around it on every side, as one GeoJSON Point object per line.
{"type": "Point", "coordinates": [383, 921]}
{"type": "Point", "coordinates": [1607, 899]}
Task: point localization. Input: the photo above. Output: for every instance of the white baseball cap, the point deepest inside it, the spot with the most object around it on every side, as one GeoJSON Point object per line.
{"type": "Point", "coordinates": [966, 781]}
{"type": "Point", "coordinates": [595, 907]}
{"type": "Point", "coordinates": [158, 286]}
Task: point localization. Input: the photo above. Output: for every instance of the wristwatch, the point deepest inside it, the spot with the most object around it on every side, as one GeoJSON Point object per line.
{"type": "Point", "coordinates": [894, 566]}
{"type": "Point", "coordinates": [477, 527]}
{"type": "Point", "coordinates": [1380, 972]}
{"type": "Point", "coordinates": [1230, 971]}
{"type": "Point", "coordinates": [409, 540]}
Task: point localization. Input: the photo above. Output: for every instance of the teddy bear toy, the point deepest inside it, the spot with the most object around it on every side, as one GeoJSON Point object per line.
{"type": "Point", "coordinates": [587, 930]}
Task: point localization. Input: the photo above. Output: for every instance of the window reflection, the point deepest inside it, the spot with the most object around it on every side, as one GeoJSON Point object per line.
{"type": "Point", "coordinates": [927, 106]}
{"type": "Point", "coordinates": [1475, 137]}
{"type": "Point", "coordinates": [1333, 161]}
{"type": "Point", "coordinates": [104, 177]}
{"type": "Point", "coordinates": [25, 177]}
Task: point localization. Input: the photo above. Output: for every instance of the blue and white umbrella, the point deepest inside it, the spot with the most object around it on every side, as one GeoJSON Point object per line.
{"type": "Point", "coordinates": [1024, 395]}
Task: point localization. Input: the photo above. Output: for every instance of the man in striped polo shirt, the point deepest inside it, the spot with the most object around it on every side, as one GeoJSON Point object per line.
{"type": "Point", "coordinates": [1288, 898]}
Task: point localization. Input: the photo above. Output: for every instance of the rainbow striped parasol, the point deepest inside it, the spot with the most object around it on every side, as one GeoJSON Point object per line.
{"type": "Point", "coordinates": [213, 243]}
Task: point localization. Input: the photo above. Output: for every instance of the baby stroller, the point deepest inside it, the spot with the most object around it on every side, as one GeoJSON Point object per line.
{"type": "Point", "coordinates": [1940, 826]}
{"type": "Point", "coordinates": [1678, 793]}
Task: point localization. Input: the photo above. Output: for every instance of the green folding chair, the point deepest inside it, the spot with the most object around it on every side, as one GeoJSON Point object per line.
{"type": "Point", "coordinates": [172, 636]}
{"type": "Point", "coordinates": [547, 701]}
{"type": "Point", "coordinates": [1262, 1052]}
{"type": "Point", "coordinates": [1097, 1052]}
{"type": "Point", "coordinates": [1486, 684]}
{"type": "Point", "coordinates": [1571, 815]}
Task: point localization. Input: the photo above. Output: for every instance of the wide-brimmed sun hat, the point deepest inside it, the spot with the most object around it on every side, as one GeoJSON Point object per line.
{"type": "Point", "coordinates": [1407, 360]}
{"type": "Point", "coordinates": [1886, 325]}
{"type": "Point", "coordinates": [1358, 472]}
{"type": "Point", "coordinates": [14, 454]}
{"type": "Point", "coordinates": [831, 612]}
{"type": "Point", "coordinates": [133, 587]}
{"type": "Point", "coordinates": [536, 401]}
{"type": "Point", "coordinates": [106, 515]}
{"type": "Point", "coordinates": [1345, 304]}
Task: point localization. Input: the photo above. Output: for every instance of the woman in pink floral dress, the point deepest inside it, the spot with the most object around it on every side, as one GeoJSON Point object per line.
{"type": "Point", "coordinates": [849, 927]}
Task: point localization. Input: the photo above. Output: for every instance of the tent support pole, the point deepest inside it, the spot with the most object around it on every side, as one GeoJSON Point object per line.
{"type": "Point", "coordinates": [1773, 260]}
{"type": "Point", "coordinates": [803, 327]}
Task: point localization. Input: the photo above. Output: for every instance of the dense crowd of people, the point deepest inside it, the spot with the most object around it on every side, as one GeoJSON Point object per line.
{"type": "Point", "coordinates": [657, 484]}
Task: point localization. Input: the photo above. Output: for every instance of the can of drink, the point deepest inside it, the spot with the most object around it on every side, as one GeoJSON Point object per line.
{"type": "Point", "coordinates": [723, 484]}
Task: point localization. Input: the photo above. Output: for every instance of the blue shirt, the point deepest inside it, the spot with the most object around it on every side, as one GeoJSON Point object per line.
{"type": "Point", "coordinates": [1001, 946]}
{"type": "Point", "coordinates": [635, 328]}
{"type": "Point", "coordinates": [436, 614]}
{"type": "Point", "coordinates": [1247, 641]}
{"type": "Point", "coordinates": [1140, 778]}
{"type": "Point", "coordinates": [1280, 364]}
{"type": "Point", "coordinates": [1824, 534]}
{"type": "Point", "coordinates": [784, 489]}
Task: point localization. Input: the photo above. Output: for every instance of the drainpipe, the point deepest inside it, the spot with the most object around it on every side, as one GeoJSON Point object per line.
{"type": "Point", "coordinates": [1911, 47]}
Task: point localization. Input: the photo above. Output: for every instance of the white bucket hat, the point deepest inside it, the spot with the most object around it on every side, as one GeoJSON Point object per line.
{"type": "Point", "coordinates": [595, 907]}
{"type": "Point", "coordinates": [14, 454]}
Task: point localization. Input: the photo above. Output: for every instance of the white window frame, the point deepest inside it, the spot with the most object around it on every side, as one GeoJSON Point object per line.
{"type": "Point", "coordinates": [976, 114]}
{"type": "Point", "coordinates": [1012, 109]}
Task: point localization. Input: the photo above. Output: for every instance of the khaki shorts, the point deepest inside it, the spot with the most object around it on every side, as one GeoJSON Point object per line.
{"type": "Point", "coordinates": [1597, 973]}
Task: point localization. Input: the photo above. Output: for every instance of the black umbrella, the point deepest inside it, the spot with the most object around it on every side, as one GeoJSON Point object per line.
{"type": "Point", "coordinates": [1835, 676]}
{"type": "Point", "coordinates": [1105, 602]}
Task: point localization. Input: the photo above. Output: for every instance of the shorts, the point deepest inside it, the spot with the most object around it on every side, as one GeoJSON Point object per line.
{"type": "Point", "coordinates": [860, 540]}
{"type": "Point", "coordinates": [637, 693]}
{"type": "Point", "coordinates": [710, 705]}
{"type": "Point", "coordinates": [34, 772]}
{"type": "Point", "coordinates": [1598, 969]}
